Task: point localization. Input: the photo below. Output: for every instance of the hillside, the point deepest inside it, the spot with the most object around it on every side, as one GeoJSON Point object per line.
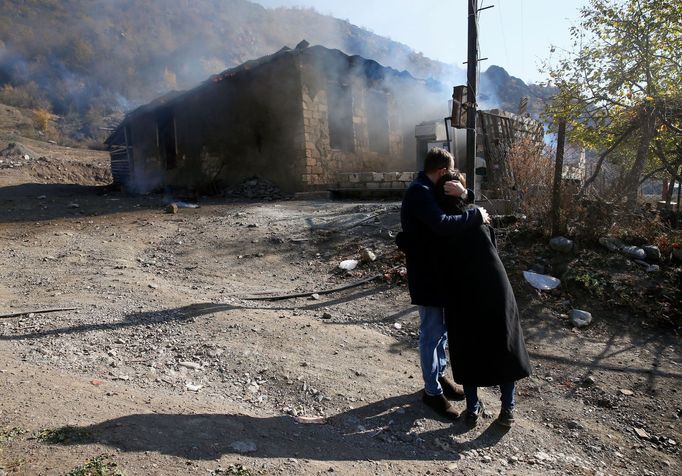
{"type": "Point", "coordinates": [91, 60]}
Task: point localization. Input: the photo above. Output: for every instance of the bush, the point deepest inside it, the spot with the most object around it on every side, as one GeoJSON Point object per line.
{"type": "Point", "coordinates": [42, 119]}
{"type": "Point", "coordinates": [533, 173]}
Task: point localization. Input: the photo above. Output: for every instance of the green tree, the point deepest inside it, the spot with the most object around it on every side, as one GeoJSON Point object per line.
{"type": "Point", "coordinates": [619, 87]}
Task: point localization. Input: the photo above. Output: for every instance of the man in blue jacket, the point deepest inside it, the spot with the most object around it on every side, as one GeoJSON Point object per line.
{"type": "Point", "coordinates": [422, 223]}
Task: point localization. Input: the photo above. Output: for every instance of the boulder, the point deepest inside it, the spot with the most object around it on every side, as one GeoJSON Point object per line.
{"type": "Point", "coordinates": [634, 252]}
{"type": "Point", "coordinates": [610, 243]}
{"type": "Point", "coordinates": [652, 252]}
{"type": "Point", "coordinates": [677, 254]}
{"type": "Point", "coordinates": [561, 244]}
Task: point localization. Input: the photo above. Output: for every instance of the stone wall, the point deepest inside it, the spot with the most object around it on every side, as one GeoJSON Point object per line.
{"type": "Point", "coordinates": [323, 163]}
{"type": "Point", "coordinates": [374, 180]}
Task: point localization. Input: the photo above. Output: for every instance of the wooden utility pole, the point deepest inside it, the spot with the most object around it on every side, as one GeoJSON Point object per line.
{"type": "Point", "coordinates": [558, 170]}
{"type": "Point", "coordinates": [472, 83]}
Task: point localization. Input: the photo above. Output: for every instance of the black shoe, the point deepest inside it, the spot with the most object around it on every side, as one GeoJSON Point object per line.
{"type": "Point", "coordinates": [450, 389]}
{"type": "Point", "coordinates": [440, 405]}
{"type": "Point", "coordinates": [506, 418]}
{"type": "Point", "coordinates": [471, 417]}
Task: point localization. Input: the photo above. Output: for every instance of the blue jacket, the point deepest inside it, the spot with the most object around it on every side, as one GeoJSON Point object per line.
{"type": "Point", "coordinates": [424, 225]}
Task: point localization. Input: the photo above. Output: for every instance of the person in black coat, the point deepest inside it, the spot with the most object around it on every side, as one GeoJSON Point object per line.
{"type": "Point", "coordinates": [423, 224]}
{"type": "Point", "coordinates": [485, 338]}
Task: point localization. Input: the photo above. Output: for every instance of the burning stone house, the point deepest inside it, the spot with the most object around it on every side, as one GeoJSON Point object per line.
{"type": "Point", "coordinates": [299, 118]}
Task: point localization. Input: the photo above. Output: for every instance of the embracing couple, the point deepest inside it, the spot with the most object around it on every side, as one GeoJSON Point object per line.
{"type": "Point", "coordinates": [463, 294]}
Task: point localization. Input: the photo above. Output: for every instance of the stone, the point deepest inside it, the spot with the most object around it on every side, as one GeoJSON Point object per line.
{"type": "Point", "coordinates": [193, 388]}
{"type": "Point", "coordinates": [642, 433]}
{"type": "Point", "coordinates": [172, 208]}
{"type": "Point", "coordinates": [588, 381]}
{"type": "Point", "coordinates": [367, 255]}
{"type": "Point", "coordinates": [676, 255]}
{"type": "Point", "coordinates": [190, 365]}
{"type": "Point", "coordinates": [561, 244]}
{"type": "Point", "coordinates": [244, 446]}
{"type": "Point", "coordinates": [326, 315]}
{"type": "Point", "coordinates": [652, 252]}
{"type": "Point", "coordinates": [610, 243]}
{"type": "Point", "coordinates": [574, 425]}
{"type": "Point", "coordinates": [654, 268]}
{"type": "Point", "coordinates": [315, 297]}
{"type": "Point", "coordinates": [348, 264]}
{"type": "Point", "coordinates": [626, 392]}
{"type": "Point", "coordinates": [580, 318]}
{"type": "Point", "coordinates": [634, 252]}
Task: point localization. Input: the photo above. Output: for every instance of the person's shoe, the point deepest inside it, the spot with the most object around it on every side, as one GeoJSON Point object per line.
{"type": "Point", "coordinates": [506, 418]}
{"type": "Point", "coordinates": [440, 405]}
{"type": "Point", "coordinates": [471, 417]}
{"type": "Point", "coordinates": [450, 389]}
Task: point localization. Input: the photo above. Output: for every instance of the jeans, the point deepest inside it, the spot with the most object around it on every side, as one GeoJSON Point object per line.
{"type": "Point", "coordinates": [433, 338]}
{"type": "Point", "coordinates": [507, 391]}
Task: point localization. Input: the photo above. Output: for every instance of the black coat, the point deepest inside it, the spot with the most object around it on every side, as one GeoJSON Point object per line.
{"type": "Point", "coordinates": [424, 225]}
{"type": "Point", "coordinates": [484, 333]}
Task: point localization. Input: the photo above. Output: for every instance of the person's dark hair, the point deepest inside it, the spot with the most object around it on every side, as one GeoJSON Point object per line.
{"type": "Point", "coordinates": [437, 158]}
{"type": "Point", "coordinates": [449, 204]}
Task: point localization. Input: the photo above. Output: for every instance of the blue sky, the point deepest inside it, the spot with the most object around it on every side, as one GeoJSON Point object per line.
{"type": "Point", "coordinates": [515, 34]}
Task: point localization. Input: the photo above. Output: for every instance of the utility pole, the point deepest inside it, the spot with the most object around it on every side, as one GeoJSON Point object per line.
{"type": "Point", "coordinates": [472, 86]}
{"type": "Point", "coordinates": [558, 170]}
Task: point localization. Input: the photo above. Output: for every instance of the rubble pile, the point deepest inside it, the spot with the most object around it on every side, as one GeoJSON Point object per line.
{"type": "Point", "coordinates": [15, 155]}
{"type": "Point", "coordinates": [255, 187]}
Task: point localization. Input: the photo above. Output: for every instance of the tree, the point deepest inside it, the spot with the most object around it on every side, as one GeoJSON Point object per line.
{"type": "Point", "coordinates": [618, 84]}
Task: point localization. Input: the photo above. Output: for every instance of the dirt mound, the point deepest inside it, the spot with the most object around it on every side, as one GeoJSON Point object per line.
{"type": "Point", "coordinates": [16, 150]}
{"type": "Point", "coordinates": [62, 171]}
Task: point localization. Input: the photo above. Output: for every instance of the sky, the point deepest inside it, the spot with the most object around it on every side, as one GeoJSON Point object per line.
{"type": "Point", "coordinates": [514, 34]}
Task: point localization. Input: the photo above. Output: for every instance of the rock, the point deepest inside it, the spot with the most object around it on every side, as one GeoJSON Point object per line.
{"type": "Point", "coordinates": [652, 252]}
{"type": "Point", "coordinates": [562, 244]}
{"type": "Point", "coordinates": [398, 325]}
{"type": "Point", "coordinates": [193, 388]}
{"type": "Point", "coordinates": [315, 297]}
{"type": "Point", "coordinates": [626, 392]}
{"type": "Point", "coordinates": [172, 208]}
{"type": "Point", "coordinates": [574, 425]}
{"type": "Point", "coordinates": [367, 255]}
{"type": "Point", "coordinates": [634, 252]}
{"type": "Point", "coordinates": [73, 205]}
{"type": "Point", "coordinates": [244, 446]}
{"type": "Point", "coordinates": [326, 315]}
{"type": "Point", "coordinates": [643, 264]}
{"type": "Point", "coordinates": [580, 318]}
{"type": "Point", "coordinates": [642, 433]}
{"type": "Point", "coordinates": [190, 365]}
{"type": "Point", "coordinates": [588, 381]}
{"type": "Point", "coordinates": [348, 264]}
{"type": "Point", "coordinates": [677, 254]}
{"type": "Point", "coordinates": [654, 268]}
{"type": "Point", "coordinates": [610, 243]}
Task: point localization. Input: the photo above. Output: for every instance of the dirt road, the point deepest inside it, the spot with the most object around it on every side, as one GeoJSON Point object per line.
{"type": "Point", "coordinates": [165, 368]}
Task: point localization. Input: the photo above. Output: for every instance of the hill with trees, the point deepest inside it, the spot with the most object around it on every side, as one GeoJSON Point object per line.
{"type": "Point", "coordinates": [89, 60]}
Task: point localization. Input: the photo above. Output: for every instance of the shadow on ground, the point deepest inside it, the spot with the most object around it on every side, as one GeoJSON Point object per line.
{"type": "Point", "coordinates": [35, 202]}
{"type": "Point", "coordinates": [379, 431]}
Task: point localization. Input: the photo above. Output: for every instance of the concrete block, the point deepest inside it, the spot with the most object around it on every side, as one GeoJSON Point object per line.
{"type": "Point", "coordinates": [377, 176]}
{"type": "Point", "coordinates": [373, 185]}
